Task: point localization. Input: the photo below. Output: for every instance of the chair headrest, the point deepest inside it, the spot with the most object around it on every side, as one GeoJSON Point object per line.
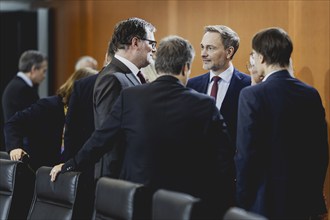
{"type": "Point", "coordinates": [235, 213]}
{"type": "Point", "coordinates": [4, 155]}
{"type": "Point", "coordinates": [63, 190]}
{"type": "Point", "coordinates": [115, 197]}
{"type": "Point", "coordinates": [172, 205]}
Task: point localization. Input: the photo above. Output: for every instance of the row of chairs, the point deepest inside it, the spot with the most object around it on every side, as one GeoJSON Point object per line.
{"type": "Point", "coordinates": [25, 195]}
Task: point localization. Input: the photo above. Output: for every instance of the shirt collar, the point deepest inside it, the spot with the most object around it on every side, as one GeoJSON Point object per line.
{"type": "Point", "coordinates": [225, 75]}
{"type": "Point", "coordinates": [26, 79]}
{"type": "Point", "coordinates": [129, 64]}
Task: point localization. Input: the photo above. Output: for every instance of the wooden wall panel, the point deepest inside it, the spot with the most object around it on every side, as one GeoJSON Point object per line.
{"type": "Point", "coordinates": [85, 27]}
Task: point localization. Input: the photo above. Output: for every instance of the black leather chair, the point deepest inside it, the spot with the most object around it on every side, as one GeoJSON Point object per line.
{"type": "Point", "coordinates": [16, 189]}
{"type": "Point", "coordinates": [167, 205]}
{"type": "Point", "coordinates": [4, 155]}
{"type": "Point", "coordinates": [69, 197]}
{"type": "Point", "coordinates": [119, 199]}
{"type": "Point", "coordinates": [235, 213]}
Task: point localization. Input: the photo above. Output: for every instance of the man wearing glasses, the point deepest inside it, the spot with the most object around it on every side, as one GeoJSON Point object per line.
{"type": "Point", "coordinates": [134, 44]}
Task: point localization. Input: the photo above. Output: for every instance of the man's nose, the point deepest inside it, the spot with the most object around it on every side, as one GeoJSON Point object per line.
{"type": "Point", "coordinates": [203, 53]}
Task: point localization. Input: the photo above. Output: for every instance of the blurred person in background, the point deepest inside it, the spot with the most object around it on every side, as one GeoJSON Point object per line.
{"type": "Point", "coordinates": [86, 61]}
{"type": "Point", "coordinates": [42, 123]}
{"type": "Point", "coordinates": [22, 90]}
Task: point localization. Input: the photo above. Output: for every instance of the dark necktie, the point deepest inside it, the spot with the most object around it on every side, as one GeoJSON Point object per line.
{"type": "Point", "coordinates": [142, 79]}
{"type": "Point", "coordinates": [214, 90]}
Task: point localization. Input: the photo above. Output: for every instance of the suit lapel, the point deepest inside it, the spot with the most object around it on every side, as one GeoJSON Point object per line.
{"type": "Point", "coordinates": [231, 94]}
{"type": "Point", "coordinates": [121, 67]}
{"type": "Point", "coordinates": [204, 83]}
{"type": "Point", "coordinates": [132, 79]}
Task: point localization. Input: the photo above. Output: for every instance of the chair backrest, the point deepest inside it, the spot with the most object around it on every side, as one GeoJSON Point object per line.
{"type": "Point", "coordinates": [16, 189]}
{"type": "Point", "coordinates": [4, 155]}
{"type": "Point", "coordinates": [168, 205]}
{"type": "Point", "coordinates": [66, 198]}
{"type": "Point", "coordinates": [120, 199]}
{"type": "Point", "coordinates": [235, 213]}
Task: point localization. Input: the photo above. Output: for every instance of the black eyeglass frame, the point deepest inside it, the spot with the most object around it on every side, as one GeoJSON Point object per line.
{"type": "Point", "coordinates": [153, 43]}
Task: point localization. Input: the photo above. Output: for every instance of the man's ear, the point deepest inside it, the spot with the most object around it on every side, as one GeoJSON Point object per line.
{"type": "Point", "coordinates": [230, 52]}
{"type": "Point", "coordinates": [185, 69]}
{"type": "Point", "coordinates": [33, 68]}
{"type": "Point", "coordinates": [135, 41]}
{"type": "Point", "coordinates": [262, 59]}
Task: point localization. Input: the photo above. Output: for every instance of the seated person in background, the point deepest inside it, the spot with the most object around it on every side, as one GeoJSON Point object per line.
{"type": "Point", "coordinates": [42, 123]}
{"type": "Point", "coordinates": [86, 61]}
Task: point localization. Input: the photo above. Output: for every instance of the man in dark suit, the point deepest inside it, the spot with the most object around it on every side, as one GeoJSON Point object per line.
{"type": "Point", "coordinates": [219, 45]}
{"type": "Point", "coordinates": [282, 143]}
{"type": "Point", "coordinates": [134, 43]}
{"type": "Point", "coordinates": [22, 90]}
{"type": "Point", "coordinates": [174, 137]}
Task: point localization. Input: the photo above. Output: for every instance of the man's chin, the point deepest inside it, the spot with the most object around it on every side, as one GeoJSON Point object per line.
{"type": "Point", "coordinates": [206, 67]}
{"type": "Point", "coordinates": [151, 61]}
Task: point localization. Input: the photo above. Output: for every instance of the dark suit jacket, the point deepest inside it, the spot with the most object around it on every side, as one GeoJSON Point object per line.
{"type": "Point", "coordinates": [17, 96]}
{"type": "Point", "coordinates": [110, 82]}
{"type": "Point", "coordinates": [174, 139]}
{"type": "Point", "coordinates": [282, 149]}
{"type": "Point", "coordinates": [229, 105]}
{"type": "Point", "coordinates": [42, 123]}
{"type": "Point", "coordinates": [79, 124]}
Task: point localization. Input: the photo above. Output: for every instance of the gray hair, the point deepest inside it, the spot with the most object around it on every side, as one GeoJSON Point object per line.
{"type": "Point", "coordinates": [172, 54]}
{"type": "Point", "coordinates": [29, 59]}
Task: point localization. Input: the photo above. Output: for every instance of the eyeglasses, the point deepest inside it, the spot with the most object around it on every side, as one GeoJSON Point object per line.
{"type": "Point", "coordinates": [151, 42]}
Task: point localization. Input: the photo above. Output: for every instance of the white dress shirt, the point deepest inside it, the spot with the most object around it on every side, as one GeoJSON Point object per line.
{"type": "Point", "coordinates": [223, 84]}
{"type": "Point", "coordinates": [130, 66]}
{"type": "Point", "coordinates": [26, 79]}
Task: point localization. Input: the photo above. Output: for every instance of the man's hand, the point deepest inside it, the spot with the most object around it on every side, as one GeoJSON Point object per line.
{"type": "Point", "coordinates": [17, 154]}
{"type": "Point", "coordinates": [54, 172]}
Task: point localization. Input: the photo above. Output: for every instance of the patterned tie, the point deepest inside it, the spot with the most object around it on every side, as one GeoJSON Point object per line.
{"type": "Point", "coordinates": [214, 90]}
{"type": "Point", "coordinates": [142, 79]}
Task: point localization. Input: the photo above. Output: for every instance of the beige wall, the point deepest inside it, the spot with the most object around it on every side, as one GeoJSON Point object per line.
{"type": "Point", "coordinates": [84, 27]}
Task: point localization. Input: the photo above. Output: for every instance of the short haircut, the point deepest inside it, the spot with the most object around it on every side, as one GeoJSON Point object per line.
{"type": "Point", "coordinates": [172, 54]}
{"type": "Point", "coordinates": [275, 45]}
{"type": "Point", "coordinates": [228, 36]}
{"type": "Point", "coordinates": [30, 58]}
{"type": "Point", "coordinates": [126, 30]}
